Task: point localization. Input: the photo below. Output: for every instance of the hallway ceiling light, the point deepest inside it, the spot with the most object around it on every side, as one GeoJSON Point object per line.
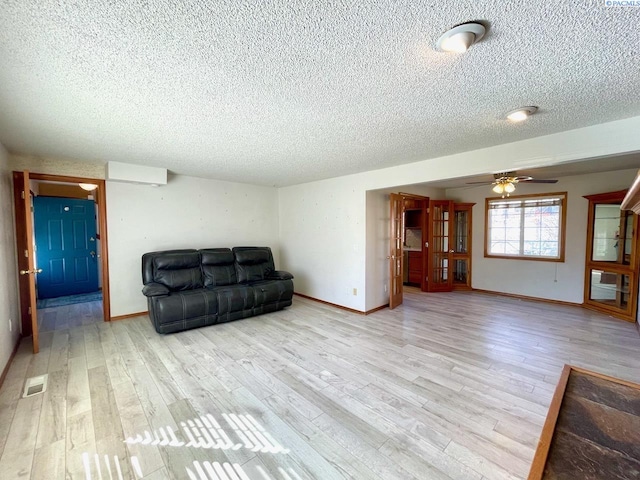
{"type": "Point", "coordinates": [460, 38]}
{"type": "Point", "coordinates": [521, 114]}
{"type": "Point", "coordinates": [89, 187]}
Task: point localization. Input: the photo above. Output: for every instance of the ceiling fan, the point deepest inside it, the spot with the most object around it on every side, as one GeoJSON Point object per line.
{"type": "Point", "coordinates": [504, 183]}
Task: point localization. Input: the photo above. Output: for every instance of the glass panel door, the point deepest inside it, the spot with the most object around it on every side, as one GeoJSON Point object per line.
{"type": "Point", "coordinates": [440, 247]}
{"type": "Point", "coordinates": [395, 254]}
{"type": "Point", "coordinates": [612, 234]}
{"type": "Point", "coordinates": [461, 231]}
{"type": "Point", "coordinates": [461, 272]}
{"type": "Point", "coordinates": [461, 243]}
{"type": "Point", "coordinates": [609, 288]}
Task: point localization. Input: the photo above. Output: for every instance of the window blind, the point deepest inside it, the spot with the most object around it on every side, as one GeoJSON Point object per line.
{"type": "Point", "coordinates": [524, 203]}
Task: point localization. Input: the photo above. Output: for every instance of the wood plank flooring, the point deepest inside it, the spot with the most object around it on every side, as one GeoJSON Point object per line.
{"type": "Point", "coordinates": [447, 386]}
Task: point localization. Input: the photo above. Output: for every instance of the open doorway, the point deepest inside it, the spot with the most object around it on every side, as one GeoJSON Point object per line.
{"type": "Point", "coordinates": [430, 245]}
{"type": "Point", "coordinates": [62, 252]}
{"type": "Point", "coordinates": [67, 249]}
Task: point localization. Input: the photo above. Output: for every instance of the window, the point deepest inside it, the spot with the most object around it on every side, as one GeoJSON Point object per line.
{"type": "Point", "coordinates": [530, 227]}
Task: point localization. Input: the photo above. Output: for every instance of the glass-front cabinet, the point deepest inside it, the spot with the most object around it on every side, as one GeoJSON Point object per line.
{"type": "Point", "coordinates": [461, 243]}
{"type": "Point", "coordinates": [611, 273]}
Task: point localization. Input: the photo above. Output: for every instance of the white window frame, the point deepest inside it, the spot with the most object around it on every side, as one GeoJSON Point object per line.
{"type": "Point", "coordinates": [521, 203]}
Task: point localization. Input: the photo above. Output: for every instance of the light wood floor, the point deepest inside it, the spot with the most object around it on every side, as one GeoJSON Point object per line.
{"type": "Point", "coordinates": [448, 386]}
{"type": "Point", "coordinates": [69, 316]}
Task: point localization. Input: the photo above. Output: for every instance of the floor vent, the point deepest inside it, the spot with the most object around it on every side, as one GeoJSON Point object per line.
{"type": "Point", "coordinates": [35, 385]}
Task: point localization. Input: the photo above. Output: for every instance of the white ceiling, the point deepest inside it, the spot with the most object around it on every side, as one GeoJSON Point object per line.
{"type": "Point", "coordinates": [281, 92]}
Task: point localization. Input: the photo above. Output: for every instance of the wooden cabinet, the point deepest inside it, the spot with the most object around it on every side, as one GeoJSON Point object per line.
{"type": "Point", "coordinates": [413, 204]}
{"type": "Point", "coordinates": [415, 267]}
{"type": "Point", "coordinates": [613, 257]}
{"type": "Point", "coordinates": [413, 219]}
{"type": "Point", "coordinates": [461, 243]}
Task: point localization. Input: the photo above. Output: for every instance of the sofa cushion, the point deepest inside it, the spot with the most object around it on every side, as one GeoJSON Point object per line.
{"type": "Point", "coordinates": [253, 263]}
{"type": "Point", "coordinates": [178, 271]}
{"type": "Point", "coordinates": [233, 298]}
{"type": "Point", "coordinates": [218, 267]}
{"type": "Point", "coordinates": [252, 257]}
{"type": "Point", "coordinates": [148, 267]}
{"type": "Point", "coordinates": [201, 304]}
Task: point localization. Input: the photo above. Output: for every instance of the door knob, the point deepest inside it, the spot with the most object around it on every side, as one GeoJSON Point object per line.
{"type": "Point", "coordinates": [92, 253]}
{"type": "Point", "coordinates": [28, 272]}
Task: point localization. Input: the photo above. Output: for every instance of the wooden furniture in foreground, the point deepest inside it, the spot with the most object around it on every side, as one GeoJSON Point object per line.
{"type": "Point", "coordinates": [592, 430]}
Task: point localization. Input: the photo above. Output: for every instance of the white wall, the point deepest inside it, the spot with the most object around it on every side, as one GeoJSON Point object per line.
{"type": "Point", "coordinates": [550, 280]}
{"type": "Point", "coordinates": [188, 212]}
{"type": "Point", "coordinates": [322, 232]}
{"type": "Point", "coordinates": [9, 304]}
{"type": "Point", "coordinates": [323, 236]}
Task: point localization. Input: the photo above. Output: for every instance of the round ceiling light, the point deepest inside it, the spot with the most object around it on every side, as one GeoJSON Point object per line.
{"type": "Point", "coordinates": [521, 114]}
{"type": "Point", "coordinates": [460, 38]}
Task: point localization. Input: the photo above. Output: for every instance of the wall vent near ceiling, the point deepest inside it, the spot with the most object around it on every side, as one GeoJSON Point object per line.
{"type": "Point", "coordinates": [35, 385]}
{"type": "Point", "coordinates": [139, 174]}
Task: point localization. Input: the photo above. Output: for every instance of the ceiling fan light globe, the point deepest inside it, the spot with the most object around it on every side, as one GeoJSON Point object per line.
{"type": "Point", "coordinates": [509, 188]}
{"type": "Point", "coordinates": [498, 188]}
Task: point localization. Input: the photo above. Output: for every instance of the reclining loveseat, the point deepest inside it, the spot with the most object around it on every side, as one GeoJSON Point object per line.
{"type": "Point", "coordinates": [194, 288]}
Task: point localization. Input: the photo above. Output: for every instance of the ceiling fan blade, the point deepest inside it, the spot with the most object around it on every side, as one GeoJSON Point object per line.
{"type": "Point", "coordinates": [533, 180]}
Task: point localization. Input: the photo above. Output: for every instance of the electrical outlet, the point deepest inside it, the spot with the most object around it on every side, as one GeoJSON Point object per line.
{"type": "Point", "coordinates": [355, 291]}
{"type": "Point", "coordinates": [386, 288]}
{"type": "Point", "coordinates": [10, 325]}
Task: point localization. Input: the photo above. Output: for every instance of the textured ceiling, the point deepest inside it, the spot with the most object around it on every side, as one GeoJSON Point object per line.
{"type": "Point", "coordinates": [280, 92]}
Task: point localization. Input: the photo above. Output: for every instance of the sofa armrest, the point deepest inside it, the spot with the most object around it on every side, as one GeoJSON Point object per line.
{"type": "Point", "coordinates": [155, 290]}
{"type": "Point", "coordinates": [280, 275]}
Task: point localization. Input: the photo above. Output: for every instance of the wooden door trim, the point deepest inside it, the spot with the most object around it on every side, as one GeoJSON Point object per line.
{"type": "Point", "coordinates": [101, 198]}
{"type": "Point", "coordinates": [26, 256]}
{"type": "Point", "coordinates": [23, 262]}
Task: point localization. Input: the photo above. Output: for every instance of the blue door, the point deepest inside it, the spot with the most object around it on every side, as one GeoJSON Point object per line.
{"type": "Point", "coordinates": [65, 231]}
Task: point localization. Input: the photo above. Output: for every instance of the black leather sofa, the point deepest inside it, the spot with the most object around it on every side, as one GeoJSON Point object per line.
{"type": "Point", "coordinates": [193, 288]}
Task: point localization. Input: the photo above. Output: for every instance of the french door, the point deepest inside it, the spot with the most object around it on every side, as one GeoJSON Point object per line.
{"type": "Point", "coordinates": [395, 254]}
{"type": "Point", "coordinates": [440, 248]}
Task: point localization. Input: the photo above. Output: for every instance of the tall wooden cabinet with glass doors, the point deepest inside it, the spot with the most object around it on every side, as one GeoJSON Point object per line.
{"type": "Point", "coordinates": [461, 244]}
{"type": "Point", "coordinates": [611, 273]}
